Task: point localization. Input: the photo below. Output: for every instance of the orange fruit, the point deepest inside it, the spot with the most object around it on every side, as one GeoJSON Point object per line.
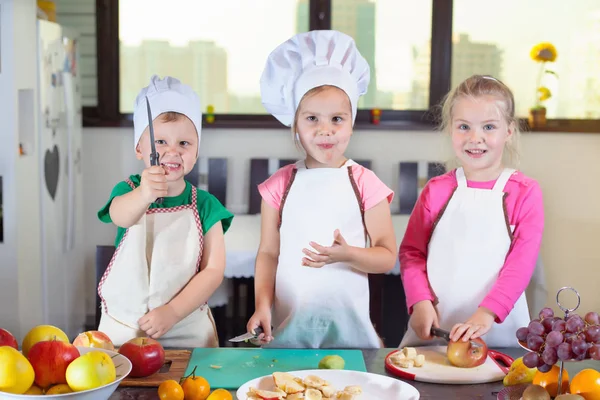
{"type": "Point", "coordinates": [549, 380]}
{"type": "Point", "coordinates": [586, 383]}
{"type": "Point", "coordinates": [195, 388]}
{"type": "Point", "coordinates": [220, 394]}
{"type": "Point", "coordinates": [170, 390]}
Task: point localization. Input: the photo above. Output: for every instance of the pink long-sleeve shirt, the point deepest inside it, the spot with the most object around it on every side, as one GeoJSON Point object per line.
{"type": "Point", "coordinates": [525, 211]}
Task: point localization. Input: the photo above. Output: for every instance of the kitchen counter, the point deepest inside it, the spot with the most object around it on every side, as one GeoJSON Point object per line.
{"type": "Point", "coordinates": [374, 360]}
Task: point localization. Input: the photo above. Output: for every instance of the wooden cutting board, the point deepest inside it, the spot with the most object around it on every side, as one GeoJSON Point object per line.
{"type": "Point", "coordinates": [437, 368]}
{"type": "Point", "coordinates": [176, 362]}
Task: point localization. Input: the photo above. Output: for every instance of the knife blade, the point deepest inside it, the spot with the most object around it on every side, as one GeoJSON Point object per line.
{"type": "Point", "coordinates": [153, 153]}
{"type": "Point", "coordinates": [247, 336]}
{"type": "Point", "coordinates": [441, 333]}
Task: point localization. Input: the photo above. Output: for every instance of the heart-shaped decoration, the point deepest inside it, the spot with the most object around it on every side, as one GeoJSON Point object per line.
{"type": "Point", "coordinates": [51, 169]}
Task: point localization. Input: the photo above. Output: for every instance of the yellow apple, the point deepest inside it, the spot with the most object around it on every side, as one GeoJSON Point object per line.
{"type": "Point", "coordinates": [42, 333]}
{"type": "Point", "coordinates": [91, 370]}
{"type": "Point", "coordinates": [35, 391]}
{"type": "Point", "coordinates": [61, 388]}
{"type": "Point", "coordinates": [16, 373]}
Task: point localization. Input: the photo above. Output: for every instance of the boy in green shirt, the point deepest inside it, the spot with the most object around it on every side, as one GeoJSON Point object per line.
{"type": "Point", "coordinates": [169, 257]}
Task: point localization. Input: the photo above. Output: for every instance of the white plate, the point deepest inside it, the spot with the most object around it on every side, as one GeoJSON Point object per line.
{"type": "Point", "coordinates": [122, 364]}
{"type": "Point", "coordinates": [374, 386]}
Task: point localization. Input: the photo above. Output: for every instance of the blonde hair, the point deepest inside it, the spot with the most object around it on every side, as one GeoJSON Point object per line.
{"type": "Point", "coordinates": [478, 86]}
{"type": "Point", "coordinates": [171, 116]}
{"type": "Point", "coordinates": [312, 92]}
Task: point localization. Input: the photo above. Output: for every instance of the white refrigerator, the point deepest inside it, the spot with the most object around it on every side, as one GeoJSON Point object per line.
{"type": "Point", "coordinates": [59, 138]}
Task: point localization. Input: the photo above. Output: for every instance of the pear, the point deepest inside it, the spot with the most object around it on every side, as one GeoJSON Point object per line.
{"type": "Point", "coordinates": [569, 397]}
{"type": "Point", "coordinates": [519, 373]}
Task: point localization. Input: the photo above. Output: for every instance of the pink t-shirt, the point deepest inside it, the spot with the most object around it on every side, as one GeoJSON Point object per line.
{"type": "Point", "coordinates": [372, 189]}
{"type": "Point", "coordinates": [525, 211]}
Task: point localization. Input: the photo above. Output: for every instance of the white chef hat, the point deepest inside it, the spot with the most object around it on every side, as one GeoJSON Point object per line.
{"type": "Point", "coordinates": [309, 60]}
{"type": "Point", "coordinates": [165, 95]}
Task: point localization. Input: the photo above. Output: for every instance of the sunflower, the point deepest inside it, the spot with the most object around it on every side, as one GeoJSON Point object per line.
{"type": "Point", "coordinates": [543, 52]}
{"type": "Point", "coordinates": [543, 93]}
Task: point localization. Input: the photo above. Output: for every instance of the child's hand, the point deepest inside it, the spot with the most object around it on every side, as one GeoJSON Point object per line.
{"type": "Point", "coordinates": [158, 321]}
{"type": "Point", "coordinates": [479, 324]}
{"type": "Point", "coordinates": [337, 252]}
{"type": "Point", "coordinates": [424, 316]}
{"type": "Point", "coordinates": [153, 183]}
{"type": "Point", "coordinates": [262, 318]}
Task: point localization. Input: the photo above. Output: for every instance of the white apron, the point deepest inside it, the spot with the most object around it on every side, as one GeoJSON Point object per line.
{"type": "Point", "coordinates": [155, 259]}
{"type": "Point", "coordinates": [466, 252]}
{"type": "Point", "coordinates": [324, 307]}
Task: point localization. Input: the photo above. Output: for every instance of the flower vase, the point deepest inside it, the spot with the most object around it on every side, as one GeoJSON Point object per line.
{"type": "Point", "coordinates": [537, 118]}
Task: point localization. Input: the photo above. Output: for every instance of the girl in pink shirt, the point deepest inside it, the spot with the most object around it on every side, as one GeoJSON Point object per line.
{"type": "Point", "coordinates": [473, 238]}
{"type": "Point", "coordinates": [325, 221]}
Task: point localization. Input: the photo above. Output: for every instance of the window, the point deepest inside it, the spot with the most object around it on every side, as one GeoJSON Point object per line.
{"type": "Point", "coordinates": [417, 51]}
{"type": "Point", "coordinates": [496, 38]}
{"type": "Point", "coordinates": [394, 36]}
{"type": "Point", "coordinates": [218, 48]}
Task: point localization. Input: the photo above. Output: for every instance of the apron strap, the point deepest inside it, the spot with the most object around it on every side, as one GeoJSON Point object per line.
{"type": "Point", "coordinates": [285, 194]}
{"type": "Point", "coordinates": [460, 177]}
{"type": "Point", "coordinates": [198, 226]}
{"type": "Point", "coordinates": [361, 205]}
{"type": "Point", "coordinates": [130, 183]}
{"type": "Point", "coordinates": [503, 179]}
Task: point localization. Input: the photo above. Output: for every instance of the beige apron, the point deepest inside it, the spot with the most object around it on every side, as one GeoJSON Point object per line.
{"type": "Point", "coordinates": [324, 307]}
{"type": "Point", "coordinates": [154, 261]}
{"type": "Point", "coordinates": [466, 252]}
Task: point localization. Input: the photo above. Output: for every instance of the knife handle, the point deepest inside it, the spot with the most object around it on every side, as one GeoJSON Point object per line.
{"type": "Point", "coordinates": [260, 330]}
{"type": "Point", "coordinates": [154, 161]}
{"type": "Point", "coordinates": [437, 332]}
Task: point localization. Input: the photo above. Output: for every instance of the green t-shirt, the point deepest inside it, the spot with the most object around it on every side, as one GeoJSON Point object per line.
{"type": "Point", "coordinates": [210, 209]}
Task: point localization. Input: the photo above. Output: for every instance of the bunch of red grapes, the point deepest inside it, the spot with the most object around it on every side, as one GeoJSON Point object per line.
{"type": "Point", "coordinates": [552, 338]}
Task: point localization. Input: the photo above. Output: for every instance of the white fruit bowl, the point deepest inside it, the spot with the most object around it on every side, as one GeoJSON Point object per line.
{"type": "Point", "coordinates": [122, 364]}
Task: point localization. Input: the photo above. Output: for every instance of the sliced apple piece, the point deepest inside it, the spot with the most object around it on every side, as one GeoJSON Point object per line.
{"type": "Point", "coordinates": [315, 382]}
{"type": "Point", "coordinates": [287, 383]}
{"type": "Point", "coordinates": [295, 396]}
{"type": "Point", "coordinates": [267, 394]}
{"type": "Point", "coordinates": [313, 394]}
{"type": "Point", "coordinates": [328, 391]}
{"type": "Point", "coordinates": [355, 389]}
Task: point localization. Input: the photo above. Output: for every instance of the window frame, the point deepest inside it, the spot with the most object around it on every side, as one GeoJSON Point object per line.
{"type": "Point", "coordinates": [107, 112]}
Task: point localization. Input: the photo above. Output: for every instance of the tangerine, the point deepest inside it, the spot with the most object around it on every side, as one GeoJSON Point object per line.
{"type": "Point", "coordinates": [195, 387]}
{"type": "Point", "coordinates": [170, 390]}
{"type": "Point", "coordinates": [549, 380]}
{"type": "Point", "coordinates": [220, 394]}
{"type": "Point", "coordinates": [586, 383]}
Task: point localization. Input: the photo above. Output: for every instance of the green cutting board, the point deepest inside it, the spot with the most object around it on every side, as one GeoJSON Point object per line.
{"type": "Point", "coordinates": [240, 365]}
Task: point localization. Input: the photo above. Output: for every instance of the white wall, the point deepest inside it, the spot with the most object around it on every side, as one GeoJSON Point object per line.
{"type": "Point", "coordinates": [566, 165]}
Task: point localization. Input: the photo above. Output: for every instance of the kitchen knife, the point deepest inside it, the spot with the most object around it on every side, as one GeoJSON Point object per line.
{"type": "Point", "coordinates": [153, 154]}
{"type": "Point", "coordinates": [441, 333]}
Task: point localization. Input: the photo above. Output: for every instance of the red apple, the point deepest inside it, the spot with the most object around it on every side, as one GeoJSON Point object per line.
{"type": "Point", "coordinates": [50, 360]}
{"type": "Point", "coordinates": [147, 356]}
{"type": "Point", "coordinates": [7, 339]}
{"type": "Point", "coordinates": [465, 355]}
{"type": "Point", "coordinates": [94, 339]}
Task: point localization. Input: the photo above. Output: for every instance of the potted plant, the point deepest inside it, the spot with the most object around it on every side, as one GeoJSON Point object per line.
{"type": "Point", "coordinates": [542, 53]}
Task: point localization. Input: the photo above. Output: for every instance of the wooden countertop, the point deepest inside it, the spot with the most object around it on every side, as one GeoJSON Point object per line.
{"type": "Point", "coordinates": [374, 360]}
